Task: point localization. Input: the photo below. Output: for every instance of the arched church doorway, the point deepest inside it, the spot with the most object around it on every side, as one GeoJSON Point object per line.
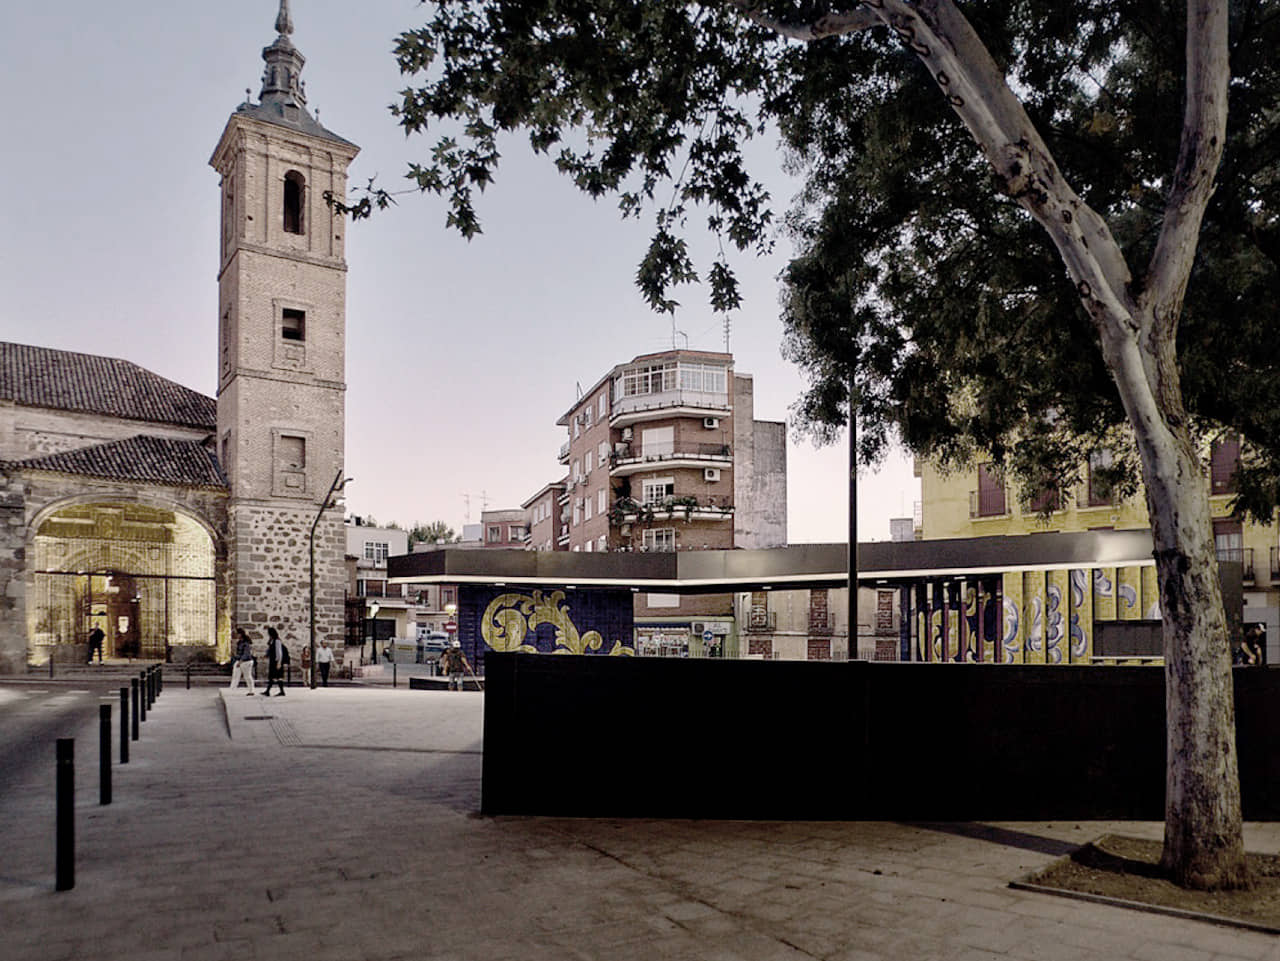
{"type": "Point", "coordinates": [145, 575]}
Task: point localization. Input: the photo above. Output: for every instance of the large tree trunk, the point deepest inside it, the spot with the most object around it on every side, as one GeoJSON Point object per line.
{"type": "Point", "coordinates": [1203, 843]}
{"type": "Point", "coordinates": [1203, 834]}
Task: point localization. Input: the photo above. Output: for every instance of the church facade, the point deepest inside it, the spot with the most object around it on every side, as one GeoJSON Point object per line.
{"type": "Point", "coordinates": [162, 516]}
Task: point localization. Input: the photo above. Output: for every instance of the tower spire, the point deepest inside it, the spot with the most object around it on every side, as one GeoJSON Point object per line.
{"type": "Point", "coordinates": [284, 23]}
{"type": "Point", "coordinates": [281, 81]}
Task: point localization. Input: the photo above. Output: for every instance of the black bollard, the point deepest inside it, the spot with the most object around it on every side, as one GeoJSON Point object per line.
{"type": "Point", "coordinates": [104, 754]}
{"type": "Point", "coordinates": [159, 679]}
{"type": "Point", "coordinates": [151, 687]}
{"type": "Point", "coordinates": [51, 665]}
{"type": "Point", "coordinates": [124, 725]}
{"type": "Point", "coordinates": [65, 855]}
{"type": "Point", "coordinates": [142, 696]}
{"type": "Point", "coordinates": [133, 689]}
{"type": "Point", "coordinates": [188, 675]}
{"type": "Point", "coordinates": [393, 673]}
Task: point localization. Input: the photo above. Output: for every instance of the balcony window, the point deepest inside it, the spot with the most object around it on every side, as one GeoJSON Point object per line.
{"type": "Point", "coordinates": [375, 551]}
{"type": "Point", "coordinates": [660, 539]}
{"type": "Point", "coordinates": [1101, 479]}
{"type": "Point", "coordinates": [1224, 459]}
{"type": "Point", "coordinates": [990, 492]}
{"type": "Point", "coordinates": [658, 490]}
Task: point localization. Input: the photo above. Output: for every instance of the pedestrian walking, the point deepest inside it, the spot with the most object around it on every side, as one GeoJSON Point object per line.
{"type": "Point", "coordinates": [324, 660]}
{"type": "Point", "coordinates": [242, 665]}
{"type": "Point", "coordinates": [306, 665]}
{"type": "Point", "coordinates": [453, 662]}
{"type": "Point", "coordinates": [95, 643]}
{"type": "Point", "coordinates": [277, 658]}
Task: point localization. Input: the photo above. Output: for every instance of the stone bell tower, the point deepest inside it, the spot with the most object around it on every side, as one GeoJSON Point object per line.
{"type": "Point", "coordinates": [281, 352]}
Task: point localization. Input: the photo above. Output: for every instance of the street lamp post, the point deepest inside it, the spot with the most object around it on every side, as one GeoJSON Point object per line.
{"type": "Point", "coordinates": [373, 632]}
{"type": "Point", "coordinates": [330, 500]}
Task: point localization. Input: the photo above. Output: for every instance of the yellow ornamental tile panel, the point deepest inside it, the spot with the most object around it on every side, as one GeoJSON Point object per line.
{"type": "Point", "coordinates": [1055, 618]}
{"type": "Point", "coordinates": [1080, 617]}
{"type": "Point", "coordinates": [1150, 594]}
{"type": "Point", "coordinates": [1013, 638]}
{"type": "Point", "coordinates": [1128, 593]}
{"type": "Point", "coordinates": [1104, 593]}
{"type": "Point", "coordinates": [1033, 603]}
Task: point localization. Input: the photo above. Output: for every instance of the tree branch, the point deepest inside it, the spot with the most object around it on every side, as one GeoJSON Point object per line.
{"type": "Point", "coordinates": [828, 25]}
{"type": "Point", "coordinates": [1204, 134]}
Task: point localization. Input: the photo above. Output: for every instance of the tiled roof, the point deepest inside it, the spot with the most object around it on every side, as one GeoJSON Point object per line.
{"type": "Point", "coordinates": [153, 460]}
{"type": "Point", "coordinates": [63, 380]}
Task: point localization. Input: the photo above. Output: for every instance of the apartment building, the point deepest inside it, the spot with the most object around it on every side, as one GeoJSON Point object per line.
{"type": "Point", "coordinates": [663, 454]}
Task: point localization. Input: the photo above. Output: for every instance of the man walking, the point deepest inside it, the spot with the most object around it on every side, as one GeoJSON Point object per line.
{"type": "Point", "coordinates": [453, 662]}
{"type": "Point", "coordinates": [242, 666]}
{"type": "Point", "coordinates": [324, 660]}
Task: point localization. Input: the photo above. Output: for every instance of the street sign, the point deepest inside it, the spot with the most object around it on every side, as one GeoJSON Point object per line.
{"type": "Point", "coordinates": [451, 627]}
{"type": "Point", "coordinates": [708, 636]}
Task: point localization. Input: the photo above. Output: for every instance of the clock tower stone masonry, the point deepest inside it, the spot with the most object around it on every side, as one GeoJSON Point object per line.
{"type": "Point", "coordinates": [281, 352]}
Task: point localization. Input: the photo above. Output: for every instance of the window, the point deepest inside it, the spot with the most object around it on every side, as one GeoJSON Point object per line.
{"type": "Point", "coordinates": [1228, 540]}
{"type": "Point", "coordinates": [699, 377]}
{"type": "Point", "coordinates": [495, 534]}
{"type": "Point", "coordinates": [294, 191]}
{"type": "Point", "coordinates": [577, 428]}
{"type": "Point", "coordinates": [1224, 458]}
{"type": "Point", "coordinates": [1101, 481]}
{"type": "Point", "coordinates": [660, 539]}
{"type": "Point", "coordinates": [658, 441]}
{"type": "Point", "coordinates": [293, 452]}
{"type": "Point", "coordinates": [602, 453]}
{"type": "Point", "coordinates": [602, 405]}
{"type": "Point", "coordinates": [664, 600]}
{"type": "Point", "coordinates": [586, 508]}
{"type": "Point", "coordinates": [601, 543]}
{"type": "Point", "coordinates": [990, 492]}
{"type": "Point", "coordinates": [589, 546]}
{"type": "Point", "coordinates": [586, 416]}
{"type": "Point", "coordinates": [602, 496]}
{"type": "Point", "coordinates": [293, 324]}
{"type": "Point", "coordinates": [648, 380]}
{"type": "Point", "coordinates": [658, 490]}
{"type": "Point", "coordinates": [375, 551]}
{"type": "Point", "coordinates": [587, 462]}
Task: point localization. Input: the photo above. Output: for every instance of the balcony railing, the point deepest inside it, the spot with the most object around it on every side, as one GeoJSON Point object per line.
{"type": "Point", "coordinates": [1244, 557]}
{"type": "Point", "coordinates": [988, 505]}
{"type": "Point", "coordinates": [662, 400]}
{"type": "Point", "coordinates": [627, 510]}
{"type": "Point", "coordinates": [710, 453]}
{"type": "Point", "coordinates": [564, 453]}
{"type": "Point", "coordinates": [762, 621]}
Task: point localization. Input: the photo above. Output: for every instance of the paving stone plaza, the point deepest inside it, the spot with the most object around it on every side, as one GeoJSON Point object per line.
{"type": "Point", "coordinates": [343, 824]}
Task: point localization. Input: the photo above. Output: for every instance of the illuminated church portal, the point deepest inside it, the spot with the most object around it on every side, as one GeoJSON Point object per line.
{"type": "Point", "coordinates": [144, 575]}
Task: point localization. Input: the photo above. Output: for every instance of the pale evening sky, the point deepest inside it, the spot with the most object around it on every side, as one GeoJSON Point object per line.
{"type": "Point", "coordinates": [460, 356]}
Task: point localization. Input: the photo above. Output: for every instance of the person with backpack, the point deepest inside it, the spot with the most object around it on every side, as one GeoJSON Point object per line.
{"type": "Point", "coordinates": [453, 662]}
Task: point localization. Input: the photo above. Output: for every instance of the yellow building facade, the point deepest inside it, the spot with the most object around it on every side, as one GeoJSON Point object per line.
{"type": "Point", "coordinates": [976, 501]}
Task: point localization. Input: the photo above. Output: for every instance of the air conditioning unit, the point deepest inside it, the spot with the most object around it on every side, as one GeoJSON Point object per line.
{"type": "Point", "coordinates": [626, 433]}
{"type": "Point", "coordinates": [711, 473]}
{"type": "Point", "coordinates": [711, 423]}
{"type": "Point", "coordinates": [698, 627]}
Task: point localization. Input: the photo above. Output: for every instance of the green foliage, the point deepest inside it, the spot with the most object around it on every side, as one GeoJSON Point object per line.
{"type": "Point", "coordinates": [437, 532]}
{"type": "Point", "coordinates": [911, 270]}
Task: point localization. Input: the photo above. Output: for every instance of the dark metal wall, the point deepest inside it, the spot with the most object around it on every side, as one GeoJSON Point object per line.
{"type": "Point", "coordinates": [657, 737]}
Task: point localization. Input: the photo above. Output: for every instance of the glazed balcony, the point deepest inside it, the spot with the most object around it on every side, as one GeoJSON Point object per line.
{"type": "Point", "coordinates": [625, 460]}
